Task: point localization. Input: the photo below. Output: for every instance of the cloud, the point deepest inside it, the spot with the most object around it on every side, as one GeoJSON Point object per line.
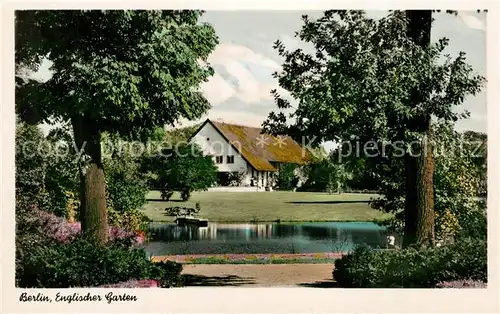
{"type": "Point", "coordinates": [243, 74]}
{"type": "Point", "coordinates": [235, 117]}
{"type": "Point", "coordinates": [291, 43]}
{"type": "Point", "coordinates": [217, 90]}
{"type": "Point", "coordinates": [472, 21]}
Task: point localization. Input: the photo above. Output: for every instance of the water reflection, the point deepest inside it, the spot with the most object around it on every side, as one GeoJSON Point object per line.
{"type": "Point", "coordinates": [263, 238]}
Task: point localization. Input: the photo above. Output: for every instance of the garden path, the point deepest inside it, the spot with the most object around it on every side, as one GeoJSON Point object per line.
{"type": "Point", "coordinates": [263, 275]}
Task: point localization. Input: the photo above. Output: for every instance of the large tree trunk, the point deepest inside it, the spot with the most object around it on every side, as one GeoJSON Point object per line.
{"type": "Point", "coordinates": [93, 213]}
{"type": "Point", "coordinates": [95, 220]}
{"type": "Point", "coordinates": [419, 168]}
{"type": "Point", "coordinates": [425, 188]}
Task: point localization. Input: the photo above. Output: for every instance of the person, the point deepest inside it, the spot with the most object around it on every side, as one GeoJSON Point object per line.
{"type": "Point", "coordinates": [391, 242]}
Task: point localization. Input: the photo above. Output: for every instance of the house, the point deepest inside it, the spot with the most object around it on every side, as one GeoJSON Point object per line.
{"type": "Point", "coordinates": [245, 153]}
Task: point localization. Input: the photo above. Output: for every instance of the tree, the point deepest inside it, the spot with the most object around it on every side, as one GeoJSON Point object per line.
{"type": "Point", "coordinates": [30, 176]}
{"type": "Point", "coordinates": [458, 178]}
{"type": "Point", "coordinates": [476, 147]}
{"type": "Point", "coordinates": [183, 169]}
{"type": "Point", "coordinates": [458, 212]}
{"type": "Point", "coordinates": [286, 179]}
{"type": "Point", "coordinates": [180, 135]}
{"type": "Point", "coordinates": [324, 174]}
{"type": "Point", "coordinates": [30, 164]}
{"type": "Point", "coordinates": [127, 185]}
{"type": "Point", "coordinates": [371, 82]}
{"type": "Point", "coordinates": [124, 72]}
{"type": "Point", "coordinates": [419, 207]}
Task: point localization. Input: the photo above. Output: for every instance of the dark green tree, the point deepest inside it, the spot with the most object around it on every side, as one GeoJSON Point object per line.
{"type": "Point", "coordinates": [183, 168]}
{"type": "Point", "coordinates": [122, 71]}
{"type": "Point", "coordinates": [378, 82]}
{"type": "Point", "coordinates": [286, 178]}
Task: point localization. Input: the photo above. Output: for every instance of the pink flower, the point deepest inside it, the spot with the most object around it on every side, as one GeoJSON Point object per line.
{"type": "Point", "coordinates": [144, 283]}
{"type": "Point", "coordinates": [64, 231]}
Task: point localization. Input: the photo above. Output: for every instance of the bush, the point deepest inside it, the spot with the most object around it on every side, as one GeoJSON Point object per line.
{"type": "Point", "coordinates": [132, 220]}
{"type": "Point", "coordinates": [30, 167]}
{"type": "Point", "coordinates": [147, 283]}
{"type": "Point", "coordinates": [81, 263]}
{"type": "Point", "coordinates": [127, 185]}
{"type": "Point", "coordinates": [29, 233]}
{"type": "Point", "coordinates": [287, 180]}
{"type": "Point", "coordinates": [185, 169]}
{"type": "Point", "coordinates": [63, 231]}
{"type": "Point", "coordinates": [412, 267]}
{"type": "Point", "coordinates": [457, 284]}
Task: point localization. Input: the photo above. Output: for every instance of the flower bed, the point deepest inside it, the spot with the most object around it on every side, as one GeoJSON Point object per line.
{"type": "Point", "coordinates": [64, 231]}
{"type": "Point", "coordinates": [251, 258]}
{"type": "Point", "coordinates": [145, 283]}
{"type": "Point", "coordinates": [458, 284]}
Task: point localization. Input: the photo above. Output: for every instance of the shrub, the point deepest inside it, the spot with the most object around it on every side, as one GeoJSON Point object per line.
{"type": "Point", "coordinates": [146, 283]}
{"type": "Point", "coordinates": [29, 233]}
{"type": "Point", "coordinates": [457, 284]}
{"type": "Point", "coordinates": [287, 180]}
{"type": "Point", "coordinates": [30, 166]}
{"type": "Point", "coordinates": [185, 169]}
{"type": "Point", "coordinates": [127, 185]}
{"type": "Point", "coordinates": [81, 263]}
{"type": "Point", "coordinates": [132, 220]}
{"type": "Point", "coordinates": [63, 231]}
{"type": "Point", "coordinates": [412, 267]}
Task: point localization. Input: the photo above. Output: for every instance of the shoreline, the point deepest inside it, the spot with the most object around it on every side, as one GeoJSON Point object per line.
{"type": "Point", "coordinates": [270, 221]}
{"type": "Point", "coordinates": [250, 258]}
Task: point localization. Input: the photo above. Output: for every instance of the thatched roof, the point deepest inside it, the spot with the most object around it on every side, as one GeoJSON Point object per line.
{"type": "Point", "coordinates": [258, 149]}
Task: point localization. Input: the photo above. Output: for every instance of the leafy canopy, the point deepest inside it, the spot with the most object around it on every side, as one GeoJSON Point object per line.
{"type": "Point", "coordinates": [460, 167]}
{"type": "Point", "coordinates": [359, 80]}
{"type": "Point", "coordinates": [126, 70]}
{"type": "Point", "coordinates": [182, 168]}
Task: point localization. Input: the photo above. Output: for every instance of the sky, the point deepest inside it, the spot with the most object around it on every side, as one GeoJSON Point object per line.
{"type": "Point", "coordinates": [244, 61]}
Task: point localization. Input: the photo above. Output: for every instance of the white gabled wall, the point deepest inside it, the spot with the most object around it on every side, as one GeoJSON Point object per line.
{"type": "Point", "coordinates": [213, 143]}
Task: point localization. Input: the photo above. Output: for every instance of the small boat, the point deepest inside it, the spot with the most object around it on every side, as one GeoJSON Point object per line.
{"type": "Point", "coordinates": [191, 220]}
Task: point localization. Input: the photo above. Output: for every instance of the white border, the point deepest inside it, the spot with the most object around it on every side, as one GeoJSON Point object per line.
{"type": "Point", "coordinates": [249, 300]}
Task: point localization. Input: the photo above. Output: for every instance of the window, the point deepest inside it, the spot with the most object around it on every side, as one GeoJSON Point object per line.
{"type": "Point", "coordinates": [230, 159]}
{"type": "Point", "coordinates": [219, 159]}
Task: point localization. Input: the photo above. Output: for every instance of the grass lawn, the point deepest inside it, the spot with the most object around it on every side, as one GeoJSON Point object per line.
{"type": "Point", "coordinates": [269, 206]}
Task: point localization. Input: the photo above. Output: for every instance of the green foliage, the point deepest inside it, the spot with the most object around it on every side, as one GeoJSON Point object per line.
{"type": "Point", "coordinates": [134, 70]}
{"type": "Point", "coordinates": [121, 71]}
{"type": "Point", "coordinates": [133, 220]}
{"type": "Point", "coordinates": [184, 169]}
{"type": "Point", "coordinates": [457, 181]}
{"type": "Point", "coordinates": [45, 168]}
{"type": "Point", "coordinates": [29, 233]}
{"type": "Point", "coordinates": [127, 185]}
{"type": "Point", "coordinates": [368, 81]}
{"type": "Point", "coordinates": [30, 177]}
{"type": "Point", "coordinates": [287, 179]}
{"type": "Point", "coordinates": [354, 85]}
{"type": "Point", "coordinates": [81, 263]}
{"type": "Point", "coordinates": [412, 267]}
{"type": "Point", "coordinates": [61, 176]}
{"type": "Point", "coordinates": [457, 178]}
{"type": "Point", "coordinates": [179, 136]}
{"type": "Point", "coordinates": [30, 166]}
{"type": "Point", "coordinates": [324, 175]}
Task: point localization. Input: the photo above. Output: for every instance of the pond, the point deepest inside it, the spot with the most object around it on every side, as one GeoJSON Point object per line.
{"type": "Point", "coordinates": [255, 238]}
